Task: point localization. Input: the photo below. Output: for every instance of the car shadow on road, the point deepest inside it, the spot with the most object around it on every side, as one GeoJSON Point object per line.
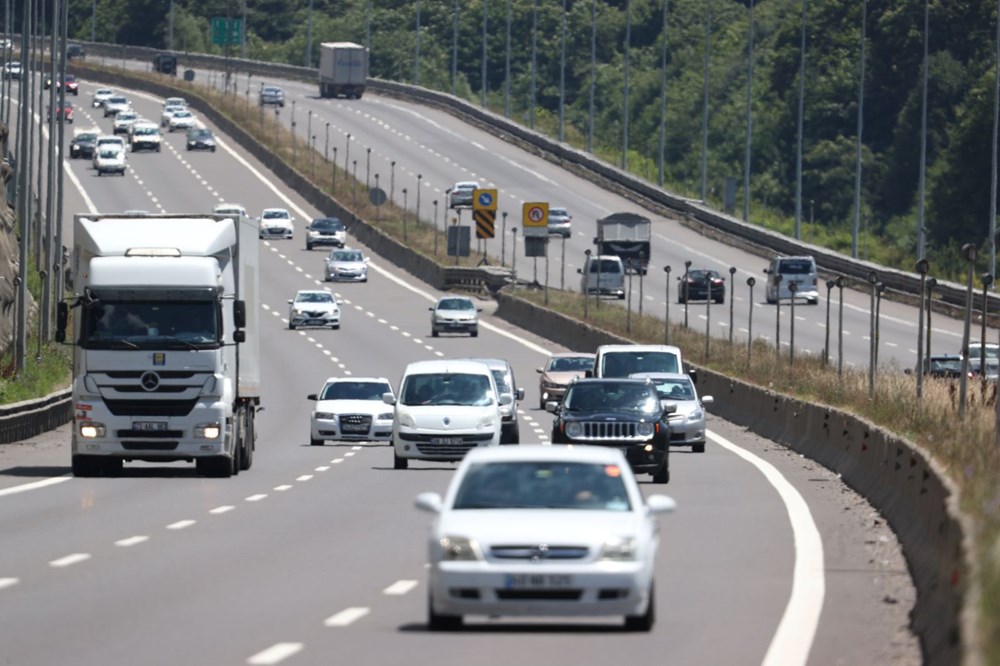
{"type": "Point", "coordinates": [514, 628]}
{"type": "Point", "coordinates": [32, 472]}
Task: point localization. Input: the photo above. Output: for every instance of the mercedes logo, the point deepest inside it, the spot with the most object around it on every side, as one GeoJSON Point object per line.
{"type": "Point", "coordinates": [540, 552]}
{"type": "Point", "coordinates": [149, 381]}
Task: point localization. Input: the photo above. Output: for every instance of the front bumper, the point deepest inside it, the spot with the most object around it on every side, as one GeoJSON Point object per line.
{"type": "Point", "coordinates": [275, 232]}
{"type": "Point", "coordinates": [446, 445]}
{"type": "Point", "coordinates": [145, 145]}
{"type": "Point", "coordinates": [352, 428]}
{"type": "Point", "coordinates": [451, 326]}
{"type": "Point", "coordinates": [328, 241]}
{"type": "Point", "coordinates": [355, 276]}
{"type": "Point", "coordinates": [640, 459]}
{"type": "Point", "coordinates": [200, 145]}
{"type": "Point", "coordinates": [687, 434]}
{"type": "Point", "coordinates": [306, 319]}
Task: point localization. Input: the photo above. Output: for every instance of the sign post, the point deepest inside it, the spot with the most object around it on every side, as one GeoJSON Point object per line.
{"type": "Point", "coordinates": [484, 214]}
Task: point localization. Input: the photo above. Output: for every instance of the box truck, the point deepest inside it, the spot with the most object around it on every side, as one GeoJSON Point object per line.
{"type": "Point", "coordinates": [343, 69]}
{"type": "Point", "coordinates": [166, 351]}
{"type": "Point", "coordinates": [626, 235]}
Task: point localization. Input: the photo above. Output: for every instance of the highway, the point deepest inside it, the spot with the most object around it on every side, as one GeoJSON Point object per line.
{"type": "Point", "coordinates": [317, 554]}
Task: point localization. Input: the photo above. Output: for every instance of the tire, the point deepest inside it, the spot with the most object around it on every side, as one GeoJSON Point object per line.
{"type": "Point", "coordinates": [475, 333]}
{"type": "Point", "coordinates": [399, 463]}
{"type": "Point", "coordinates": [291, 326]}
{"type": "Point", "coordinates": [662, 475]}
{"type": "Point", "coordinates": [434, 333]}
{"type": "Point", "coordinates": [113, 466]}
{"type": "Point", "coordinates": [439, 621]}
{"type": "Point", "coordinates": [621, 297]}
{"type": "Point", "coordinates": [335, 327]}
{"type": "Point", "coordinates": [698, 448]}
{"type": "Point", "coordinates": [645, 621]}
{"type": "Point", "coordinates": [87, 466]}
{"type": "Point", "coordinates": [213, 149]}
{"type": "Point", "coordinates": [515, 436]}
{"type": "Point", "coordinates": [814, 301]}
{"type": "Point", "coordinates": [249, 440]}
{"type": "Point", "coordinates": [316, 442]}
{"type": "Point", "coordinates": [309, 247]}
{"type": "Point", "coordinates": [217, 467]}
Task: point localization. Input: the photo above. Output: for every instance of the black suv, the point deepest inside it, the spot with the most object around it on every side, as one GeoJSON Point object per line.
{"type": "Point", "coordinates": [623, 413]}
{"type": "Point", "coordinates": [75, 51]}
{"type": "Point", "coordinates": [83, 145]}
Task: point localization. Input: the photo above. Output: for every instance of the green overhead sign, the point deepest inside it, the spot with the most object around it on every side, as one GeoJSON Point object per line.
{"type": "Point", "coordinates": [226, 31]}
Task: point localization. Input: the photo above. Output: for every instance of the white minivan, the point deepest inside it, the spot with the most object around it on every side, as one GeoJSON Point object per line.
{"type": "Point", "coordinates": [603, 275]}
{"type": "Point", "coordinates": [620, 361]}
{"type": "Point", "coordinates": [783, 272]}
{"type": "Point", "coordinates": [443, 409]}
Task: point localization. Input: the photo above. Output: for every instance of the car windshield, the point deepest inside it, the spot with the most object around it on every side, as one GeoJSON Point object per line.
{"type": "Point", "coordinates": [455, 304]}
{"type": "Point", "coordinates": [674, 389]}
{"type": "Point", "coordinates": [272, 91]}
{"type": "Point", "coordinates": [326, 225]}
{"type": "Point", "coordinates": [201, 134]}
{"type": "Point", "coordinates": [346, 256]}
{"type": "Point", "coordinates": [118, 100]}
{"type": "Point", "coordinates": [558, 212]}
{"type": "Point", "coordinates": [182, 114]}
{"type": "Point", "coordinates": [447, 389]}
{"type": "Point", "coordinates": [150, 324]}
{"type": "Point", "coordinates": [613, 396]}
{"type": "Point", "coordinates": [795, 267]}
{"type": "Point", "coordinates": [314, 297]}
{"type": "Point", "coordinates": [625, 363]}
{"type": "Point", "coordinates": [355, 391]}
{"type": "Point", "coordinates": [275, 214]}
{"type": "Point", "coordinates": [606, 266]}
{"type": "Point", "coordinates": [109, 153]}
{"type": "Point", "coordinates": [500, 377]}
{"type": "Point", "coordinates": [146, 130]}
{"type": "Point", "coordinates": [571, 364]}
{"type": "Point", "coordinates": [992, 351]}
{"type": "Point", "coordinates": [86, 137]}
{"type": "Point", "coordinates": [543, 485]}
{"type": "Point", "coordinates": [126, 116]}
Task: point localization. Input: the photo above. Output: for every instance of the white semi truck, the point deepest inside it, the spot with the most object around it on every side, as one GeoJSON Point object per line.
{"type": "Point", "coordinates": [343, 69]}
{"type": "Point", "coordinates": [166, 362]}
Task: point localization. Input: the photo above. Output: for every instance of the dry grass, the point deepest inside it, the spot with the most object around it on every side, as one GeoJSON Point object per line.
{"type": "Point", "coordinates": [967, 449]}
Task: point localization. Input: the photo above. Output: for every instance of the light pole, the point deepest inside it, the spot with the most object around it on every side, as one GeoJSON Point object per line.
{"type": "Point", "coordinates": [392, 180]}
{"type": "Point", "coordinates": [704, 101]}
{"type": "Point", "coordinates": [732, 292]}
{"type": "Point", "coordinates": [416, 217]}
{"type": "Point", "coordinates": [922, 268]}
{"type": "Point", "coordinates": [416, 49]}
{"type": "Point", "coordinates": [628, 53]}
{"type": "Point", "coordinates": [562, 274]}
{"type": "Point", "coordinates": [751, 281]}
{"type": "Point", "coordinates": [777, 313]}
{"type": "Point", "coordinates": [513, 256]}
{"type": "Point", "coordinates": [334, 168]}
{"type": "Point", "coordinates": [873, 287]}
{"type": "Point", "coordinates": [792, 287]}
{"type": "Point", "coordinates": [368, 166]}
{"type": "Point", "coordinates": [749, 120]}
{"type": "Point", "coordinates": [628, 311]}
{"type": "Point", "coordinates": [708, 316]}
{"type": "Point", "coordinates": [295, 137]}
{"type": "Point", "coordinates": [826, 345]}
{"type": "Point", "coordinates": [503, 238]}
{"type": "Point", "coordinates": [486, 20]}
{"type": "Point", "coordinates": [856, 223]}
{"type": "Point", "coordinates": [435, 227]}
{"type": "Point", "coordinates": [378, 211]}
{"type": "Point", "coordinates": [931, 284]}
{"type": "Point", "coordinates": [534, 61]}
{"type": "Point", "coordinates": [987, 283]}
{"type": "Point", "coordinates": [840, 327]}
{"type": "Point", "coordinates": [687, 268]}
{"type": "Point", "coordinates": [798, 132]}
{"type": "Point", "coordinates": [454, 47]}
{"type": "Point", "coordinates": [586, 283]}
{"type": "Point", "coordinates": [666, 314]}
{"type": "Point", "coordinates": [404, 214]}
{"type": "Point", "coordinates": [326, 145]}
{"type": "Point", "coordinates": [347, 150]}
{"type": "Point", "coordinates": [354, 183]}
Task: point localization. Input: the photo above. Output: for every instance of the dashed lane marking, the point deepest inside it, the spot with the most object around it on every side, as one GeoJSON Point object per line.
{"type": "Point", "coordinates": [275, 654]}
{"type": "Point", "coordinates": [181, 524]}
{"type": "Point", "coordinates": [346, 617]}
{"type": "Point", "coordinates": [400, 587]}
{"type": "Point", "coordinates": [222, 509]}
{"type": "Point", "coordinates": [131, 541]}
{"type": "Point", "coordinates": [69, 560]}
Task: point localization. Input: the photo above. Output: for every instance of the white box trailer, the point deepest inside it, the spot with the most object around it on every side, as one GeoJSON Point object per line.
{"type": "Point", "coordinates": [343, 69]}
{"type": "Point", "coordinates": [166, 362]}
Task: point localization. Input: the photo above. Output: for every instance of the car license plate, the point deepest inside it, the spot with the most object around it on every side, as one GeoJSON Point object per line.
{"type": "Point", "coordinates": [354, 427]}
{"type": "Point", "coordinates": [530, 581]}
{"type": "Point", "coordinates": [446, 441]}
{"type": "Point", "coordinates": [149, 426]}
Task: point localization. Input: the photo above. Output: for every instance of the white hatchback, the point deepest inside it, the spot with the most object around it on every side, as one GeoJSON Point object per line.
{"type": "Point", "coordinates": [351, 409]}
{"type": "Point", "coordinates": [543, 530]}
{"type": "Point", "coordinates": [444, 410]}
{"type": "Point", "coordinates": [276, 223]}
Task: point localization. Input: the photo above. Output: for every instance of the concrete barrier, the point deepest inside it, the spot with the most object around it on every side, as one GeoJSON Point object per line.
{"type": "Point", "coordinates": [27, 419]}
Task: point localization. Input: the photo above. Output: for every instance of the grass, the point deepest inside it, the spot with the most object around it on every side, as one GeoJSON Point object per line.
{"type": "Point", "coordinates": [967, 449]}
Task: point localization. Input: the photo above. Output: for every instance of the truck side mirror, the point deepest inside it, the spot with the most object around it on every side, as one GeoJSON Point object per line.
{"type": "Point", "coordinates": [62, 316]}
{"type": "Point", "coordinates": [239, 336]}
{"type": "Point", "coordinates": [239, 314]}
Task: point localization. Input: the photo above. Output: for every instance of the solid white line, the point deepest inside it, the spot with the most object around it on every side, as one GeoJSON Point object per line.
{"type": "Point", "coordinates": [794, 637]}
{"type": "Point", "coordinates": [180, 524]}
{"type": "Point", "coordinates": [8, 582]}
{"type": "Point", "coordinates": [222, 509]}
{"type": "Point", "coordinates": [400, 587]}
{"type": "Point", "coordinates": [345, 617]}
{"type": "Point", "coordinates": [24, 487]}
{"type": "Point", "coordinates": [69, 560]}
{"type": "Point", "coordinates": [275, 654]}
{"type": "Point", "coordinates": [131, 541]}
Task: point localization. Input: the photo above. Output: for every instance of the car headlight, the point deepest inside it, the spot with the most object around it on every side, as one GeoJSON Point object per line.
{"type": "Point", "coordinates": [458, 549]}
{"type": "Point", "coordinates": [326, 416]}
{"type": "Point", "coordinates": [696, 415]}
{"type": "Point", "coordinates": [645, 429]}
{"type": "Point", "coordinates": [485, 421]}
{"type": "Point", "coordinates": [313, 233]}
{"type": "Point", "coordinates": [504, 410]}
{"type": "Point", "coordinates": [385, 416]}
{"type": "Point", "coordinates": [406, 420]}
{"type": "Point", "coordinates": [574, 429]}
{"type": "Point", "coordinates": [551, 385]}
{"type": "Point", "coordinates": [621, 549]}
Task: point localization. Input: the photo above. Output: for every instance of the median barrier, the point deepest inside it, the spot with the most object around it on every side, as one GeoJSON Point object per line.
{"type": "Point", "coordinates": [23, 420]}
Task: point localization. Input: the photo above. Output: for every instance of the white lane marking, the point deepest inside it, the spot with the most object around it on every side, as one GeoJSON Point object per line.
{"type": "Point", "coordinates": [8, 582]}
{"type": "Point", "coordinates": [400, 587]}
{"type": "Point", "coordinates": [336, 461]}
{"type": "Point", "coordinates": [275, 654]}
{"type": "Point", "coordinates": [256, 498]}
{"type": "Point", "coordinates": [797, 629]}
{"type": "Point", "coordinates": [222, 509]}
{"type": "Point", "coordinates": [322, 468]}
{"type": "Point", "coordinates": [304, 477]}
{"type": "Point", "coordinates": [24, 487]}
{"type": "Point", "coordinates": [282, 487]}
{"type": "Point", "coordinates": [349, 454]}
{"type": "Point", "coordinates": [181, 524]}
{"type": "Point", "coordinates": [356, 448]}
{"type": "Point", "coordinates": [131, 541]}
{"type": "Point", "coordinates": [346, 617]}
{"type": "Point", "coordinates": [69, 560]}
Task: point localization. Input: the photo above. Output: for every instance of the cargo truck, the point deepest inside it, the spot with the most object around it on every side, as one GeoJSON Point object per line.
{"type": "Point", "coordinates": [625, 235]}
{"type": "Point", "coordinates": [343, 70]}
{"type": "Point", "coordinates": [166, 362]}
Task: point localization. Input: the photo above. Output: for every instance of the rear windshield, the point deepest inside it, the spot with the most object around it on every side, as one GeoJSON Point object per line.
{"type": "Point", "coordinates": [796, 267]}
{"type": "Point", "coordinates": [625, 363]}
{"type": "Point", "coordinates": [606, 266]}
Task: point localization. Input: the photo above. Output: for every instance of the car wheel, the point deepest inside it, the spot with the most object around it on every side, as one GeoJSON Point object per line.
{"type": "Point", "coordinates": [621, 297]}
{"type": "Point", "coordinates": [399, 463]}
{"type": "Point", "coordinates": [315, 442]}
{"type": "Point", "coordinates": [698, 448]}
{"type": "Point", "coordinates": [813, 301]}
{"type": "Point", "coordinates": [335, 327]}
{"type": "Point", "coordinates": [475, 333]}
{"type": "Point", "coordinates": [213, 149]}
{"type": "Point", "coordinates": [291, 326]}
{"type": "Point", "coordinates": [515, 435]}
{"type": "Point", "coordinates": [218, 467]}
{"type": "Point", "coordinates": [309, 247]}
{"type": "Point", "coordinates": [434, 333]}
{"type": "Point", "coordinates": [662, 475]}
{"type": "Point", "coordinates": [645, 621]}
{"type": "Point", "coordinates": [439, 621]}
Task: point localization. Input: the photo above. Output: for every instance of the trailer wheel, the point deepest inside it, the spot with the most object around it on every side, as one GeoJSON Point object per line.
{"type": "Point", "coordinates": [248, 439]}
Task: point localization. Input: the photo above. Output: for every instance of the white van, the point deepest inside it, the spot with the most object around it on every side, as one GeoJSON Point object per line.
{"type": "Point", "coordinates": [621, 361]}
{"type": "Point", "coordinates": [800, 271]}
{"type": "Point", "coordinates": [603, 275]}
{"type": "Point", "coordinates": [444, 409]}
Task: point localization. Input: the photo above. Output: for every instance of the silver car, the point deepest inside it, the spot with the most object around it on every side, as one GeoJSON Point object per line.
{"type": "Point", "coordinates": [272, 96]}
{"type": "Point", "coordinates": [503, 374]}
{"type": "Point", "coordinates": [455, 314]}
{"type": "Point", "coordinates": [312, 307]}
{"type": "Point", "coordinates": [687, 423]}
{"type": "Point", "coordinates": [560, 222]}
{"type": "Point", "coordinates": [347, 265]}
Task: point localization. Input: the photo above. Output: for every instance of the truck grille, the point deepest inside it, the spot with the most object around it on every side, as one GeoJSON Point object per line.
{"type": "Point", "coordinates": [151, 407]}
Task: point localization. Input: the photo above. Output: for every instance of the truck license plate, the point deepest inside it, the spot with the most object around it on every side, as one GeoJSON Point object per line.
{"type": "Point", "coordinates": [149, 426]}
{"type": "Point", "coordinates": [530, 581]}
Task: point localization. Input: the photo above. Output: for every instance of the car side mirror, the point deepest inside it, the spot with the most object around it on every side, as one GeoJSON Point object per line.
{"type": "Point", "coordinates": [479, 309]}
{"type": "Point", "coordinates": [660, 504]}
{"type": "Point", "coordinates": [539, 370]}
{"type": "Point", "coordinates": [388, 398]}
{"type": "Point", "coordinates": [431, 309]}
{"type": "Point", "coordinates": [289, 301]}
{"type": "Point", "coordinates": [429, 502]}
{"type": "Point", "coordinates": [669, 407]}
{"type": "Point", "coordinates": [588, 373]}
{"type": "Point", "coordinates": [580, 271]}
{"type": "Point", "coordinates": [520, 394]}
{"type": "Point", "coordinates": [707, 400]}
{"type": "Point", "coordinates": [551, 406]}
{"type": "Point", "coordinates": [62, 317]}
{"type": "Point", "coordinates": [311, 396]}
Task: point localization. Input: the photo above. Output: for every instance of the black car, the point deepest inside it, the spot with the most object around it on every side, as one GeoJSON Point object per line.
{"type": "Point", "coordinates": [75, 51]}
{"type": "Point", "coordinates": [326, 231]}
{"type": "Point", "coordinates": [699, 282]}
{"type": "Point", "coordinates": [624, 413]}
{"type": "Point", "coordinates": [200, 139]}
{"type": "Point", "coordinates": [82, 145]}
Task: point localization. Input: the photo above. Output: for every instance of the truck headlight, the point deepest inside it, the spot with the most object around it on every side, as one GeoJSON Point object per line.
{"type": "Point", "coordinates": [574, 429]}
{"type": "Point", "coordinates": [457, 549]}
{"type": "Point", "coordinates": [207, 431]}
{"type": "Point", "coordinates": [645, 429]}
{"type": "Point", "coordinates": [406, 420]}
{"type": "Point", "coordinates": [621, 549]}
{"type": "Point", "coordinates": [91, 430]}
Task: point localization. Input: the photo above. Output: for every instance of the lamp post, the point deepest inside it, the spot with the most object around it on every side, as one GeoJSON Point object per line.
{"type": "Point", "coordinates": [826, 344]}
{"type": "Point", "coordinates": [416, 217]}
{"type": "Point", "coordinates": [969, 251]}
{"type": "Point", "coordinates": [354, 183]}
{"type": "Point", "coordinates": [777, 312]}
{"type": "Point", "coordinates": [987, 283]}
{"type": "Point", "coordinates": [879, 288]}
{"type": "Point", "coordinates": [404, 214]}
{"type": "Point", "coordinates": [295, 137]}
{"type": "Point", "coordinates": [562, 271]}
{"type": "Point", "coordinates": [872, 282]}
{"type": "Point", "coordinates": [922, 267]}
{"type": "Point", "coordinates": [326, 145]}
{"type": "Point", "coordinates": [503, 238]}
{"type": "Point", "coordinates": [751, 281]}
{"type": "Point", "coordinates": [708, 315]}
{"type": "Point", "coordinates": [666, 314]}
{"type": "Point", "coordinates": [347, 150]}
{"type": "Point", "coordinates": [368, 166]}
{"type": "Point", "coordinates": [378, 213]}
{"type": "Point", "coordinates": [687, 269]}
{"type": "Point", "coordinates": [513, 255]}
{"type": "Point", "coordinates": [334, 168]}
{"type": "Point", "coordinates": [840, 327]}
{"type": "Point", "coordinates": [628, 305]}
{"type": "Point", "coordinates": [732, 291]}
{"type": "Point", "coordinates": [792, 287]}
{"type": "Point", "coordinates": [392, 180]}
{"type": "Point", "coordinates": [435, 227]}
{"type": "Point", "coordinates": [586, 291]}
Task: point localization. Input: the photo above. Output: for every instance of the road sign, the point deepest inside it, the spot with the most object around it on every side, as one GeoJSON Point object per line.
{"type": "Point", "coordinates": [226, 31]}
{"type": "Point", "coordinates": [377, 196]}
{"type": "Point", "coordinates": [485, 223]}
{"type": "Point", "coordinates": [484, 200]}
{"type": "Point", "coordinates": [535, 218]}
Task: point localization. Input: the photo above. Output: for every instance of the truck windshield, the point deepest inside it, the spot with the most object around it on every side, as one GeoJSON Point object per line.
{"type": "Point", "coordinates": [151, 325]}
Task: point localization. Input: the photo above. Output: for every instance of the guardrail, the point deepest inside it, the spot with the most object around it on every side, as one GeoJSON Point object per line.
{"type": "Point", "coordinates": [23, 420]}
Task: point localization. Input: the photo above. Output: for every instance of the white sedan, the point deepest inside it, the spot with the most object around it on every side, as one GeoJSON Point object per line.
{"type": "Point", "coordinates": [542, 530]}
{"type": "Point", "coordinates": [351, 409]}
{"type": "Point", "coordinates": [168, 113]}
{"type": "Point", "coordinates": [276, 223]}
{"type": "Point", "coordinates": [312, 307]}
{"type": "Point", "coordinates": [101, 95]}
{"type": "Point", "coordinates": [180, 120]}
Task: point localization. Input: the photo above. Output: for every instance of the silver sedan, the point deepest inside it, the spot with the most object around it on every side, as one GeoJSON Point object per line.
{"type": "Point", "coordinates": [687, 423]}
